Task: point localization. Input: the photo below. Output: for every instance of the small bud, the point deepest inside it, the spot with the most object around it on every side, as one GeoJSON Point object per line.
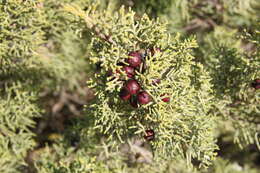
{"type": "Point", "coordinates": [165, 98]}
{"type": "Point", "coordinates": [149, 135]}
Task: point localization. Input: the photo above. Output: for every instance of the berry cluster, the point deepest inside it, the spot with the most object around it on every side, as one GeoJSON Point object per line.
{"type": "Point", "coordinates": [256, 84]}
{"type": "Point", "coordinates": [132, 90]}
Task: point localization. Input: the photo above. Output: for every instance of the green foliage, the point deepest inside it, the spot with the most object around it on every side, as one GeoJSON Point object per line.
{"type": "Point", "coordinates": [46, 54]}
{"type": "Point", "coordinates": [27, 65]}
{"type": "Point", "coordinates": [241, 106]}
{"type": "Point", "coordinates": [151, 7]}
{"type": "Point", "coordinates": [183, 126]}
{"type": "Point", "coordinates": [20, 26]}
{"type": "Point", "coordinates": [238, 100]}
{"type": "Point", "coordinates": [231, 60]}
{"type": "Point", "coordinates": [222, 165]}
{"type": "Point", "coordinates": [20, 34]}
{"type": "Point", "coordinates": [63, 46]}
{"type": "Point", "coordinates": [17, 108]}
{"type": "Point", "coordinates": [63, 158]}
{"type": "Point", "coordinates": [205, 15]}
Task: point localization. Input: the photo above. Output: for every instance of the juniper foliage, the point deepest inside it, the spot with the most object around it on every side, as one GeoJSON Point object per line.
{"type": "Point", "coordinates": [180, 130]}
{"type": "Point", "coordinates": [227, 32]}
{"type": "Point", "coordinates": [49, 48]}
{"type": "Point", "coordinates": [17, 110]}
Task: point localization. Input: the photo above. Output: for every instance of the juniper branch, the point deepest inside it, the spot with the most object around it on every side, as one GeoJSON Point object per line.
{"type": "Point", "coordinates": [89, 22]}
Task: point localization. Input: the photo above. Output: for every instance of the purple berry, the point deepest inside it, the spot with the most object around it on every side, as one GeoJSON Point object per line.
{"type": "Point", "coordinates": [165, 99]}
{"type": "Point", "coordinates": [132, 86]}
{"type": "Point", "coordinates": [130, 71]}
{"type": "Point", "coordinates": [143, 98]}
{"type": "Point", "coordinates": [135, 59]}
{"type": "Point", "coordinates": [124, 94]}
{"type": "Point", "coordinates": [149, 135]}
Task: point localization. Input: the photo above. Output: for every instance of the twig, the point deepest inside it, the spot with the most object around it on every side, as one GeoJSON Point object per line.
{"type": "Point", "coordinates": [90, 24]}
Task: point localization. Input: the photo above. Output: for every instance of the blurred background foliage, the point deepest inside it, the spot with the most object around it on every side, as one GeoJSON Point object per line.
{"type": "Point", "coordinates": [44, 68]}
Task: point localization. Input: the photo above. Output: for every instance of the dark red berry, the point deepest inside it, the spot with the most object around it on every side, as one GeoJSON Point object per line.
{"type": "Point", "coordinates": [149, 135]}
{"type": "Point", "coordinates": [256, 84]}
{"type": "Point", "coordinates": [130, 71]}
{"type": "Point", "coordinates": [132, 86]}
{"type": "Point", "coordinates": [135, 59]}
{"type": "Point", "coordinates": [124, 94]}
{"type": "Point", "coordinates": [143, 97]}
{"type": "Point", "coordinates": [165, 98]}
{"type": "Point", "coordinates": [133, 102]}
{"type": "Point", "coordinates": [156, 81]}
